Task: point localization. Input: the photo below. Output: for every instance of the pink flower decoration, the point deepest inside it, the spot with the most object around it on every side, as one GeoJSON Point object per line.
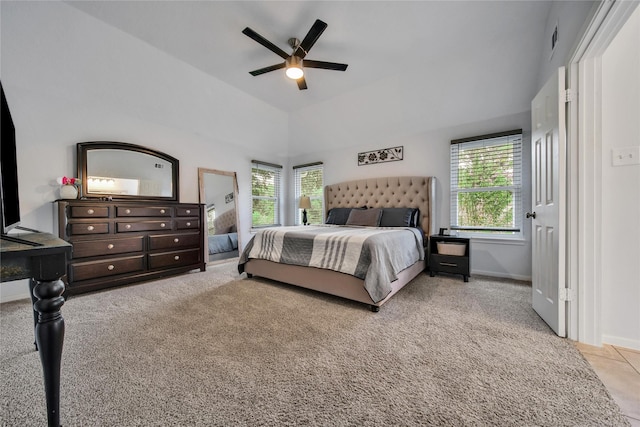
{"type": "Point", "coordinates": [63, 180]}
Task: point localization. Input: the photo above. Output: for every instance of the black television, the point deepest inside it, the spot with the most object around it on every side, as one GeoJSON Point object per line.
{"type": "Point", "coordinates": [10, 206]}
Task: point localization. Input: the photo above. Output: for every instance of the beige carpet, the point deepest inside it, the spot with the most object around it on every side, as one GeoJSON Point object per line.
{"type": "Point", "coordinates": [215, 349]}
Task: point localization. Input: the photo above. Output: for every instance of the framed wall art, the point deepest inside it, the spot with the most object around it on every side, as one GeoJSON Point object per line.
{"type": "Point", "coordinates": [392, 154]}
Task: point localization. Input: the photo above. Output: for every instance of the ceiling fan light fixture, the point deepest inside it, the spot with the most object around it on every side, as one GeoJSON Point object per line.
{"type": "Point", "coordinates": [294, 68]}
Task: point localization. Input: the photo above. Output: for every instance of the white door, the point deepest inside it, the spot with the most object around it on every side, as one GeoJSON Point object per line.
{"type": "Point", "coordinates": [548, 181]}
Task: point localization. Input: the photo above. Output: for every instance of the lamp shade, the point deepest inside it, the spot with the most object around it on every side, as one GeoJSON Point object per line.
{"type": "Point", "coordinates": [294, 68]}
{"type": "Point", "coordinates": [305, 202]}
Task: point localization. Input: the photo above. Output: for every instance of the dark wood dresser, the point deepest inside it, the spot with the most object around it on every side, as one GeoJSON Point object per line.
{"type": "Point", "coordinates": [122, 242]}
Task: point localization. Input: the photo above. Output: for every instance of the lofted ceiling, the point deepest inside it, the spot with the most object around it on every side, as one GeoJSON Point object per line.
{"type": "Point", "coordinates": [492, 44]}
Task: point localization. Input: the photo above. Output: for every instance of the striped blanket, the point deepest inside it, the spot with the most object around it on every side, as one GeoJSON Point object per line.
{"type": "Point", "coordinates": [376, 255]}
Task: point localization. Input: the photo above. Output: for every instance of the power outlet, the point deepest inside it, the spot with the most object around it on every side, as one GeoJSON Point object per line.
{"type": "Point", "coordinates": [625, 156]}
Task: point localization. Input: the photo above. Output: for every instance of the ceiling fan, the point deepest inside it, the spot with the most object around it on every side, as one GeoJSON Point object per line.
{"type": "Point", "coordinates": [294, 63]}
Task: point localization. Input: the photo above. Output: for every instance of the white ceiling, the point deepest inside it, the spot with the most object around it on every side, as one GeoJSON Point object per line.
{"type": "Point", "coordinates": [495, 45]}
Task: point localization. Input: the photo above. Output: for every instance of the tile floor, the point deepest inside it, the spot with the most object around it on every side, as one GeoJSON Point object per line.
{"type": "Point", "coordinates": [619, 370]}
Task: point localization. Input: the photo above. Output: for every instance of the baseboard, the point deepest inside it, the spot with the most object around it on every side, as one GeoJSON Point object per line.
{"type": "Point", "coordinates": [501, 275]}
{"type": "Point", "coordinates": [621, 342]}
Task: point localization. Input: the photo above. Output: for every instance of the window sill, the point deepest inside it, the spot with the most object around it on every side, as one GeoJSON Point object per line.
{"type": "Point", "coordinates": [518, 241]}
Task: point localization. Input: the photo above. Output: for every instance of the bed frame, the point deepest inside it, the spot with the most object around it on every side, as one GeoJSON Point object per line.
{"type": "Point", "coordinates": [405, 191]}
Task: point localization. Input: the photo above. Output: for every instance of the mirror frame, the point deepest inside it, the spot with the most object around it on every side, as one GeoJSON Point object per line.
{"type": "Point", "coordinates": [203, 199]}
{"type": "Point", "coordinates": [84, 147]}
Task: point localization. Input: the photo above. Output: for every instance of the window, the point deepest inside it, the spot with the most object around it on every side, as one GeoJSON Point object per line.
{"type": "Point", "coordinates": [211, 216]}
{"type": "Point", "coordinates": [265, 194]}
{"type": "Point", "coordinates": [486, 185]}
{"type": "Point", "coordinates": [309, 182]}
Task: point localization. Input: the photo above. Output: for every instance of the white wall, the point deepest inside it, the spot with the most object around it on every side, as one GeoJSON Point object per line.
{"type": "Point", "coordinates": [70, 78]}
{"type": "Point", "coordinates": [621, 188]}
{"type": "Point", "coordinates": [571, 18]}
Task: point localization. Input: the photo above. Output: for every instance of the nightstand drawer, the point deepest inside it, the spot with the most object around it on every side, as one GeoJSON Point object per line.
{"type": "Point", "coordinates": [450, 264]}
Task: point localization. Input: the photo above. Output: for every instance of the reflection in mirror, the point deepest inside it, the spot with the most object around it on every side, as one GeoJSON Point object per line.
{"type": "Point", "coordinates": [219, 193]}
{"type": "Point", "coordinates": [127, 171]}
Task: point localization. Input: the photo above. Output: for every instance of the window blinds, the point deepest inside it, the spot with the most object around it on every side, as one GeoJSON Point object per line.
{"type": "Point", "coordinates": [266, 190]}
{"type": "Point", "coordinates": [309, 181]}
{"type": "Point", "coordinates": [486, 183]}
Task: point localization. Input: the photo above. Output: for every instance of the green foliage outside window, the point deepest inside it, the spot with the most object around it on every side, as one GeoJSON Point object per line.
{"type": "Point", "coordinates": [211, 215]}
{"type": "Point", "coordinates": [482, 175]}
{"type": "Point", "coordinates": [311, 184]}
{"type": "Point", "coordinates": [264, 192]}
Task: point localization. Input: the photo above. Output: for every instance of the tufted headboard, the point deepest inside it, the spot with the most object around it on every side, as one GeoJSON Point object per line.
{"type": "Point", "coordinates": [392, 192]}
{"type": "Point", "coordinates": [225, 222]}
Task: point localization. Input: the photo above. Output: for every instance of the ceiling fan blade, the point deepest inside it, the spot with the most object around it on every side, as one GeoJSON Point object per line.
{"type": "Point", "coordinates": [264, 42]}
{"type": "Point", "coordinates": [311, 38]}
{"type": "Point", "coordinates": [308, 63]}
{"type": "Point", "coordinates": [302, 83]}
{"type": "Point", "coordinates": [267, 69]}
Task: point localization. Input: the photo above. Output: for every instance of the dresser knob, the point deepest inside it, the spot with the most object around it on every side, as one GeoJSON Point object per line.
{"type": "Point", "coordinates": [176, 240]}
{"type": "Point", "coordinates": [128, 211]}
{"type": "Point", "coordinates": [177, 257]}
{"type": "Point", "coordinates": [188, 211]}
{"type": "Point", "coordinates": [188, 224]}
{"type": "Point", "coordinates": [90, 228]}
{"type": "Point", "coordinates": [162, 211]}
{"type": "Point", "coordinates": [128, 226]}
{"type": "Point", "coordinates": [163, 225]}
{"type": "Point", "coordinates": [110, 267]}
{"type": "Point", "coordinates": [91, 211]}
{"type": "Point", "coordinates": [110, 246]}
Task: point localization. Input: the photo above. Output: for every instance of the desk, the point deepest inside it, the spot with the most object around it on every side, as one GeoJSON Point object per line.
{"type": "Point", "coordinates": [44, 265]}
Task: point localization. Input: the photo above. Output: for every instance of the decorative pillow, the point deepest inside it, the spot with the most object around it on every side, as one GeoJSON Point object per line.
{"type": "Point", "coordinates": [399, 217]}
{"type": "Point", "coordinates": [367, 218]}
{"type": "Point", "coordinates": [416, 218]}
{"type": "Point", "coordinates": [339, 216]}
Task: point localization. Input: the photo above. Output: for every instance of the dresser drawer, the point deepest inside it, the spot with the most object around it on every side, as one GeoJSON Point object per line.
{"type": "Point", "coordinates": [187, 211]}
{"type": "Point", "coordinates": [174, 259]}
{"type": "Point", "coordinates": [134, 211]}
{"type": "Point", "coordinates": [89, 212]}
{"type": "Point", "coordinates": [107, 247]}
{"type": "Point", "coordinates": [174, 241]}
{"type": "Point", "coordinates": [126, 227]}
{"type": "Point", "coordinates": [188, 224]}
{"type": "Point", "coordinates": [96, 269]}
{"type": "Point", "coordinates": [80, 228]}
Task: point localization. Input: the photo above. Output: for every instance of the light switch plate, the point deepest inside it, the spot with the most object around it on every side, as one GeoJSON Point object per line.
{"type": "Point", "coordinates": [625, 156]}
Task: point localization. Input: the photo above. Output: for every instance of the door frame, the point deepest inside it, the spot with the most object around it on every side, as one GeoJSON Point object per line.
{"type": "Point", "coordinates": [584, 168]}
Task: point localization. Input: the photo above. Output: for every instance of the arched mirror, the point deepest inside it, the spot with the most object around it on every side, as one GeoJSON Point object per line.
{"type": "Point", "coordinates": [126, 171]}
{"type": "Point", "coordinates": [219, 194]}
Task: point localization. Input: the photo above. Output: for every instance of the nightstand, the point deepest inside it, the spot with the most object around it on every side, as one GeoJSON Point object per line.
{"type": "Point", "coordinates": [453, 255]}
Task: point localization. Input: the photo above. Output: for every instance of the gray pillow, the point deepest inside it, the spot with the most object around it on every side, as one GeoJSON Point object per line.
{"type": "Point", "coordinates": [399, 217]}
{"type": "Point", "coordinates": [339, 216]}
{"type": "Point", "coordinates": [367, 218]}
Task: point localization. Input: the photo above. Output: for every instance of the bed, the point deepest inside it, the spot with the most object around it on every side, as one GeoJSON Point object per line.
{"type": "Point", "coordinates": [305, 268]}
{"type": "Point", "coordinates": [223, 244]}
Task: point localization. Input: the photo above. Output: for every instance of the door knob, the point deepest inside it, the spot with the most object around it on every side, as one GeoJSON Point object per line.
{"type": "Point", "coordinates": [531, 215]}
